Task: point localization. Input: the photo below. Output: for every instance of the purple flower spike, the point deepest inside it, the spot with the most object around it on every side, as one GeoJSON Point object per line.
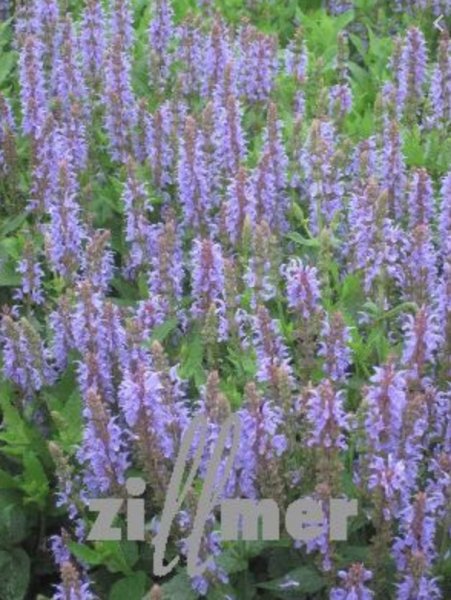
{"type": "Point", "coordinates": [385, 403]}
{"type": "Point", "coordinates": [120, 103]}
{"type": "Point", "coordinates": [33, 94]}
{"type": "Point", "coordinates": [353, 584]}
{"type": "Point", "coordinates": [92, 40]}
{"type": "Point", "coordinates": [207, 265]}
{"type": "Point", "coordinates": [445, 215]}
{"type": "Point", "coordinates": [323, 178]}
{"type": "Point", "coordinates": [257, 63]}
{"type": "Point", "coordinates": [414, 550]}
{"type": "Point", "coordinates": [240, 206]}
{"type": "Point", "coordinates": [412, 74]}
{"type": "Point", "coordinates": [422, 338]}
{"type": "Point", "coordinates": [334, 347]}
{"type": "Point", "coordinates": [194, 183]}
{"type": "Point", "coordinates": [440, 90]}
{"type": "Point", "coordinates": [421, 200]}
{"type": "Point", "coordinates": [326, 417]}
{"type": "Point", "coordinates": [303, 293]}
{"type": "Point", "coordinates": [161, 33]}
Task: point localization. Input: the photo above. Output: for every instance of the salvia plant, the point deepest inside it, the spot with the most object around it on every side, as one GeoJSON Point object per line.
{"type": "Point", "coordinates": [225, 208]}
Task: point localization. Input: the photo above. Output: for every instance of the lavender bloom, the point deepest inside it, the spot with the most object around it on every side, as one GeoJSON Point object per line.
{"type": "Point", "coordinates": [257, 63]}
{"type": "Point", "coordinates": [420, 201]}
{"type": "Point", "coordinates": [103, 450]}
{"type": "Point", "coordinates": [30, 269]}
{"type": "Point", "coordinates": [207, 264]}
{"type": "Point", "coordinates": [98, 261]}
{"type": "Point", "coordinates": [385, 402]}
{"type": "Point", "coordinates": [387, 480]}
{"type": "Point", "coordinates": [262, 272]}
{"type": "Point", "coordinates": [440, 89]}
{"type": "Point", "coordinates": [334, 347]}
{"type": "Point", "coordinates": [61, 328]}
{"type": "Point", "coordinates": [326, 417]}
{"type": "Point", "coordinates": [42, 20]}
{"type": "Point", "coordinates": [227, 85]}
{"type": "Point", "coordinates": [121, 24]}
{"type": "Point", "coordinates": [140, 398]}
{"type": "Point", "coordinates": [218, 56]}
{"type": "Point", "coordinates": [65, 232]}
{"type": "Point", "coordinates": [340, 100]}
{"type": "Point", "coordinates": [240, 207]}
{"type": "Point", "coordinates": [439, 486]}
{"type": "Point", "coordinates": [194, 184]}
{"type": "Point", "coordinates": [90, 335]}
{"type": "Point", "coordinates": [137, 226]}
{"type": "Point", "coordinates": [7, 136]}
{"type": "Point", "coordinates": [422, 338]}
{"type": "Point", "coordinates": [161, 32]}
{"type": "Point", "coordinates": [155, 421]}
{"type": "Point", "coordinates": [92, 40]}
{"type": "Point", "coordinates": [73, 130]}
{"type": "Point", "coordinates": [33, 94]}
{"type": "Point", "coordinates": [44, 175]}
{"type": "Point", "coordinates": [273, 147]}
{"type": "Point", "coordinates": [72, 585]}
{"type": "Point", "coordinates": [420, 588]}
{"type": "Point", "coordinates": [60, 551]}
{"type": "Point", "coordinates": [66, 77]}
{"type": "Point", "coordinates": [412, 73]}
{"type": "Point", "coordinates": [229, 141]}
{"type": "Point", "coordinates": [353, 585]}
{"type": "Point", "coordinates": [374, 240]}
{"type": "Point", "coordinates": [444, 312]}
{"type": "Point", "coordinates": [210, 546]}
{"type": "Point", "coordinates": [120, 104]}
{"type": "Point", "coordinates": [364, 163]}
{"type": "Point", "coordinates": [392, 169]}
{"type": "Point", "coordinates": [70, 495]}
{"type": "Point", "coordinates": [260, 441]}
{"type": "Point", "coordinates": [414, 550]}
{"type": "Point", "coordinates": [302, 285]}
{"type": "Point", "coordinates": [166, 264]}
{"type": "Point", "coordinates": [272, 353]}
{"type": "Point", "coordinates": [296, 58]}
{"type": "Point", "coordinates": [265, 191]}
{"type": "Point", "coordinates": [323, 178]}
{"type": "Point", "coordinates": [418, 279]}
{"type": "Point", "coordinates": [190, 53]}
{"type": "Point", "coordinates": [25, 358]}
{"type": "Point", "coordinates": [159, 145]}
{"type": "Point", "coordinates": [415, 434]}
{"type": "Point", "coordinates": [445, 214]}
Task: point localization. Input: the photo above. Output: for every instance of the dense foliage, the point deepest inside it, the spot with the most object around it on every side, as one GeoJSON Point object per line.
{"type": "Point", "coordinates": [215, 207]}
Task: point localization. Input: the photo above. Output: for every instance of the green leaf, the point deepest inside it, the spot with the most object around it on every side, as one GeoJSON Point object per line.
{"type": "Point", "coordinates": [12, 223]}
{"type": "Point", "coordinates": [299, 239]}
{"type": "Point", "coordinates": [132, 587]}
{"type": "Point", "coordinates": [161, 332]}
{"type": "Point", "coordinates": [352, 554]}
{"type": "Point", "coordinates": [85, 554]}
{"type": "Point", "coordinates": [6, 65]}
{"type": "Point", "coordinates": [178, 588]}
{"type": "Point", "coordinates": [12, 518]}
{"type": "Point", "coordinates": [35, 483]}
{"type": "Point", "coordinates": [14, 574]}
{"type": "Point", "coordinates": [192, 358]}
{"type": "Point", "coordinates": [8, 275]}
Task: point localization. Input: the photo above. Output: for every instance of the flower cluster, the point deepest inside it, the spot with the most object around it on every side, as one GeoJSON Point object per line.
{"type": "Point", "coordinates": [201, 215]}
